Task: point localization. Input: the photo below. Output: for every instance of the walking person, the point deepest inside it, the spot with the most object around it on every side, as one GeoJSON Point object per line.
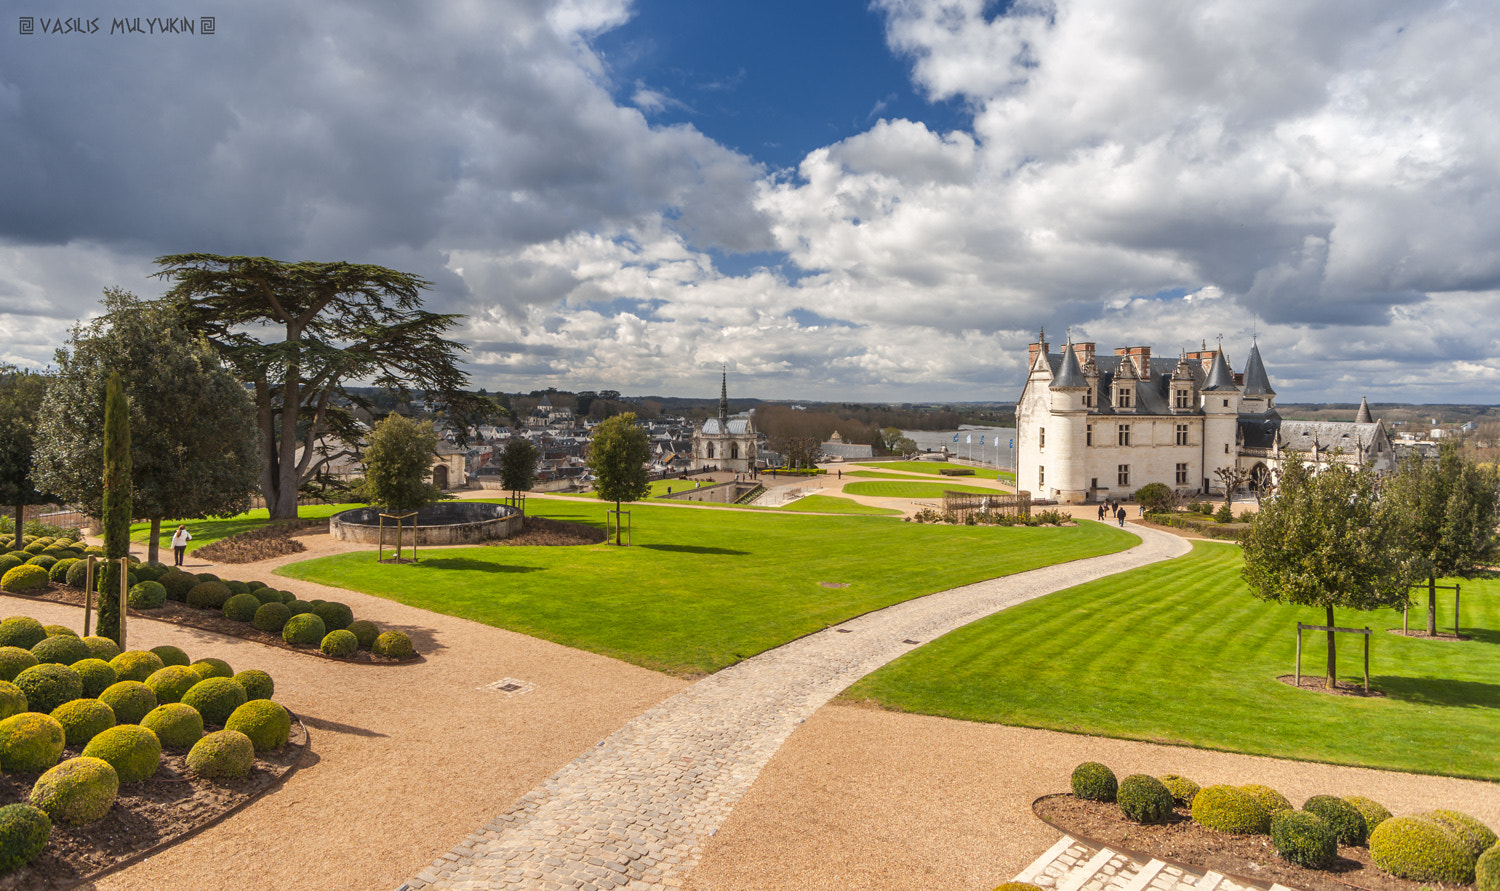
{"type": "Point", "coordinates": [1101, 512]}
{"type": "Point", "coordinates": [180, 538]}
{"type": "Point", "coordinates": [1120, 515]}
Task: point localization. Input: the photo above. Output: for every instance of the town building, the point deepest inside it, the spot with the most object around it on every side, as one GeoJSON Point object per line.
{"type": "Point", "coordinates": [724, 442]}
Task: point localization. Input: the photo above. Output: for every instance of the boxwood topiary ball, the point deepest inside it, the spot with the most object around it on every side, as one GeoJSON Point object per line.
{"type": "Point", "coordinates": [96, 675]}
{"type": "Point", "coordinates": [1228, 809]}
{"type": "Point", "coordinates": [396, 645]}
{"type": "Point", "coordinates": [48, 686]}
{"type": "Point", "coordinates": [241, 607]}
{"type": "Point", "coordinates": [13, 661]}
{"type": "Point", "coordinates": [208, 595]}
{"type": "Point", "coordinates": [178, 584]}
{"type": "Point", "coordinates": [83, 719]}
{"type": "Point", "coordinates": [170, 655]}
{"type": "Point", "coordinates": [79, 790]}
{"type": "Point", "coordinates": [1269, 798]}
{"type": "Point", "coordinates": [9, 562]}
{"type": "Point", "coordinates": [364, 632]}
{"type": "Point", "coordinates": [1476, 836]}
{"type": "Point", "coordinates": [24, 579]}
{"type": "Point", "coordinates": [215, 699]}
{"type": "Point", "coordinates": [147, 595]}
{"type": "Point", "coordinates": [209, 577]}
{"type": "Point", "coordinates": [59, 571]}
{"type": "Point", "coordinates": [171, 682]}
{"type": "Point", "coordinates": [60, 650]}
{"type": "Point", "coordinates": [303, 629]}
{"type": "Point", "coordinates": [1183, 789]}
{"type": "Point", "coordinates": [131, 700]}
{"type": "Point", "coordinates": [255, 584]}
{"type": "Point", "coordinates": [1092, 781]}
{"type": "Point", "coordinates": [21, 631]}
{"type": "Point", "coordinates": [12, 699]}
{"type": "Point", "coordinates": [101, 647]}
{"type": "Point", "coordinates": [236, 587]}
{"type": "Point", "coordinates": [1304, 838]}
{"type": "Point", "coordinates": [1373, 811]}
{"type": "Point", "coordinates": [60, 630]}
{"type": "Point", "coordinates": [265, 722]}
{"type": "Point", "coordinates": [335, 616]}
{"type": "Point", "coordinates": [257, 684]}
{"type": "Point", "coordinates": [178, 726]}
{"type": "Point", "coordinates": [271, 617]}
{"type": "Point", "coordinates": [1347, 823]}
{"type": "Point", "coordinates": [1413, 848]}
{"type": "Point", "coordinates": [151, 572]}
{"type": "Point", "coordinates": [30, 742]}
{"type": "Point", "coordinates": [227, 754]}
{"type": "Point", "coordinates": [24, 830]}
{"type": "Point", "coordinates": [1487, 870]}
{"type": "Point", "coordinates": [339, 644]}
{"type": "Point", "coordinates": [266, 595]}
{"type": "Point", "coordinates": [300, 607]}
{"type": "Point", "coordinates": [133, 751]}
{"type": "Point", "coordinates": [136, 665]}
{"type": "Point", "coordinates": [45, 561]}
{"type": "Point", "coordinates": [78, 575]}
{"type": "Point", "coordinates": [287, 597]}
{"type": "Point", "coordinates": [212, 668]}
{"type": "Point", "coordinates": [1144, 799]}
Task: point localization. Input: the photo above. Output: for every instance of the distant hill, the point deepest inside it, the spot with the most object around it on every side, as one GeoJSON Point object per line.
{"type": "Point", "coordinates": [1390, 412]}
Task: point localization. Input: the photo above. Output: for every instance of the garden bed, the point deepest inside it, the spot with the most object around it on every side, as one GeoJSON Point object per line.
{"type": "Point", "coordinates": [542, 532]}
{"type": "Point", "coordinates": [1180, 841]}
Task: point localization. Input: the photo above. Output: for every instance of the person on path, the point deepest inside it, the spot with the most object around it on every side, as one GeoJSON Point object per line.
{"type": "Point", "coordinates": [1120, 515]}
{"type": "Point", "coordinates": [180, 538]}
{"type": "Point", "coordinates": [1101, 512]}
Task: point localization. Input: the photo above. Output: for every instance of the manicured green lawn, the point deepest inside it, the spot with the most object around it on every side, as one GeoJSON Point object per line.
{"type": "Point", "coordinates": [1180, 652]}
{"type": "Point", "coordinates": [206, 532]}
{"type": "Point", "coordinates": [897, 489]}
{"type": "Point", "coordinates": [704, 589]}
{"type": "Point", "coordinates": [832, 504]}
{"type": "Point", "coordinates": [928, 467]}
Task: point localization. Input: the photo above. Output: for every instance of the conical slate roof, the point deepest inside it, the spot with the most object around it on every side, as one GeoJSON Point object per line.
{"type": "Point", "coordinates": [1256, 382]}
{"type": "Point", "coordinates": [1364, 412]}
{"type": "Point", "coordinates": [1220, 377]}
{"type": "Point", "coordinates": [1070, 376]}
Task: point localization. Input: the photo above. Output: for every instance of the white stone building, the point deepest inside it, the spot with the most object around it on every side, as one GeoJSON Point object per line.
{"type": "Point", "coordinates": [725, 443]}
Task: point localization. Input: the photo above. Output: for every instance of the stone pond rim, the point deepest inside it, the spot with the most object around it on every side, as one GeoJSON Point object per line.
{"type": "Point", "coordinates": [444, 523]}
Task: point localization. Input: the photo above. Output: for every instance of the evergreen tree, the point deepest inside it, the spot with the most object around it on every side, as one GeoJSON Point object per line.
{"type": "Point", "coordinates": [116, 508]}
{"type": "Point", "coordinates": [21, 394]}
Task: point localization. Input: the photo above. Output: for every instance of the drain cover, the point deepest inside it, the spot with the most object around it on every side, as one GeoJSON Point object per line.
{"type": "Point", "coordinates": [844, 630]}
{"type": "Point", "coordinates": [910, 641]}
{"type": "Point", "coordinates": [510, 687]}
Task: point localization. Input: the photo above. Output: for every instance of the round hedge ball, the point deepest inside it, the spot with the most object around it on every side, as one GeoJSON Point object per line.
{"type": "Point", "coordinates": [1347, 823]}
{"type": "Point", "coordinates": [59, 571]}
{"type": "Point", "coordinates": [178, 726]}
{"type": "Point", "coordinates": [1304, 838]}
{"type": "Point", "coordinates": [266, 723]}
{"type": "Point", "coordinates": [254, 584]}
{"type": "Point", "coordinates": [59, 630]}
{"type": "Point", "coordinates": [9, 562]}
{"type": "Point", "coordinates": [171, 682]}
{"type": "Point", "coordinates": [208, 595]}
{"type": "Point", "coordinates": [1183, 789]}
{"type": "Point", "coordinates": [257, 684]}
{"type": "Point", "coordinates": [96, 675]}
{"type": "Point", "coordinates": [30, 742]}
{"type": "Point", "coordinates": [101, 647]}
{"type": "Point", "coordinates": [227, 754]}
{"type": "Point", "coordinates": [24, 578]}
{"type": "Point", "coordinates": [1487, 870]}
{"type": "Point", "coordinates": [212, 668]}
{"type": "Point", "coordinates": [13, 661]}
{"type": "Point", "coordinates": [1144, 799]}
{"type": "Point", "coordinates": [170, 655]}
{"type": "Point", "coordinates": [335, 616]}
{"type": "Point", "coordinates": [1413, 848]}
{"type": "Point", "coordinates": [241, 607]}
{"type": "Point", "coordinates": [364, 632]}
{"type": "Point", "coordinates": [1476, 836]}
{"type": "Point", "coordinates": [271, 617]}
{"type": "Point", "coordinates": [1269, 798]}
{"type": "Point", "coordinates": [12, 699]}
{"type": "Point", "coordinates": [303, 629]}
{"type": "Point", "coordinates": [396, 645]}
{"type": "Point", "coordinates": [1092, 781]}
{"type": "Point", "coordinates": [136, 665]}
{"type": "Point", "coordinates": [151, 572]}
{"type": "Point", "coordinates": [236, 587]}
{"type": "Point", "coordinates": [266, 595]}
{"type": "Point", "coordinates": [79, 790]}
{"type": "Point", "coordinates": [178, 584]}
{"type": "Point", "coordinates": [215, 699]}
{"type": "Point", "coordinates": [208, 577]}
{"type": "Point", "coordinates": [78, 575]}
{"type": "Point", "coordinates": [1228, 809]}
{"type": "Point", "coordinates": [287, 598]}
{"type": "Point", "coordinates": [48, 686]}
{"type": "Point", "coordinates": [24, 830]}
{"type": "Point", "coordinates": [21, 631]}
{"type": "Point", "coordinates": [131, 700]}
{"type": "Point", "coordinates": [339, 644]}
{"type": "Point", "coordinates": [147, 595]}
{"type": "Point", "coordinates": [1373, 811]}
{"type": "Point", "coordinates": [299, 607]}
{"type": "Point", "coordinates": [133, 751]}
{"type": "Point", "coordinates": [83, 719]}
{"type": "Point", "coordinates": [61, 650]}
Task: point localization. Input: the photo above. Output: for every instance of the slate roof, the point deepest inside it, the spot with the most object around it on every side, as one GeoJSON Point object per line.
{"type": "Point", "coordinates": [1069, 376]}
{"type": "Point", "coordinates": [1256, 382]}
{"type": "Point", "coordinates": [1152, 395]}
{"type": "Point", "coordinates": [737, 427]}
{"type": "Point", "coordinates": [1220, 378]}
{"type": "Point", "coordinates": [1301, 435]}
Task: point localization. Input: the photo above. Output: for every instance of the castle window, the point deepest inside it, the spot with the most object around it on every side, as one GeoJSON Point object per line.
{"type": "Point", "coordinates": [1123, 474]}
{"type": "Point", "coordinates": [1182, 474]}
{"type": "Point", "coordinates": [1088, 399]}
{"type": "Point", "coordinates": [1088, 435]}
{"type": "Point", "coordinates": [1041, 437]}
{"type": "Point", "coordinates": [1226, 403]}
{"type": "Point", "coordinates": [734, 450]}
{"type": "Point", "coordinates": [1122, 398]}
{"type": "Point", "coordinates": [1226, 448]}
{"type": "Point", "coordinates": [1041, 476]}
{"type": "Point", "coordinates": [1182, 434]}
{"type": "Point", "coordinates": [710, 453]}
{"type": "Point", "coordinates": [1182, 399]}
{"type": "Point", "coordinates": [1124, 434]}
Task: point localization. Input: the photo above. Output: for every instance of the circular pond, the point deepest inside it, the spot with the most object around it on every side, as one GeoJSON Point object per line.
{"type": "Point", "coordinates": [444, 523]}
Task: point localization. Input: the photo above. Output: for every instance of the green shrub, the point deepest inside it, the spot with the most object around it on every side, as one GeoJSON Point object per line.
{"type": "Point", "coordinates": [339, 644]}
{"type": "Point", "coordinates": [1269, 798]}
{"type": "Point", "coordinates": [1228, 809]}
{"type": "Point", "coordinates": [1487, 870]}
{"type": "Point", "coordinates": [1182, 789]}
{"type": "Point", "coordinates": [254, 584]}
{"type": "Point", "coordinates": [60, 650]}
{"type": "Point", "coordinates": [151, 572]}
{"type": "Point", "coordinates": [131, 700]}
{"type": "Point", "coordinates": [215, 699]}
{"type": "Point", "coordinates": [257, 684]}
{"type": "Point", "coordinates": [178, 584]}
{"type": "Point", "coordinates": [287, 598]}
{"type": "Point", "coordinates": [271, 617]}
{"type": "Point", "coordinates": [227, 754]}
{"type": "Point", "coordinates": [9, 562]}
{"type": "Point", "coordinates": [36, 545]}
{"type": "Point", "coordinates": [79, 790]}
{"type": "Point", "coordinates": [396, 645]}
{"type": "Point", "coordinates": [1476, 836]}
{"type": "Point", "coordinates": [209, 577]}
{"type": "Point", "coordinates": [30, 742]}
{"type": "Point", "coordinates": [236, 588]}
{"type": "Point", "coordinates": [45, 561]}
{"type": "Point", "coordinates": [1017, 886]}
{"type": "Point", "coordinates": [1144, 799]}
{"type": "Point", "coordinates": [133, 751]}
{"type": "Point", "coordinates": [212, 668]}
{"type": "Point", "coordinates": [21, 631]}
{"type": "Point", "coordinates": [60, 631]}
{"type": "Point", "coordinates": [1092, 781]}
{"type": "Point", "coordinates": [13, 661]}
{"type": "Point", "coordinates": [48, 686]}
{"type": "Point", "coordinates": [304, 629]}
{"type": "Point", "coordinates": [147, 595]}
{"type": "Point", "coordinates": [178, 726]}
{"type": "Point", "coordinates": [171, 682]}
{"type": "Point", "coordinates": [335, 616]}
{"type": "Point", "coordinates": [59, 571]}
{"type": "Point", "coordinates": [83, 719]}
{"type": "Point", "coordinates": [1304, 838]}
{"type": "Point", "coordinates": [96, 675]}
{"type": "Point", "coordinates": [24, 830]}
{"type": "Point", "coordinates": [241, 607]}
{"type": "Point", "coordinates": [1373, 811]}
{"type": "Point", "coordinates": [265, 722]}
{"type": "Point", "coordinates": [1418, 849]}
{"type": "Point", "coordinates": [170, 655]}
{"type": "Point", "coordinates": [266, 595]}
{"type": "Point", "coordinates": [208, 595]}
{"type": "Point", "coordinates": [364, 632]}
{"type": "Point", "coordinates": [78, 575]}
{"type": "Point", "coordinates": [300, 607]}
{"type": "Point", "coordinates": [101, 647]}
{"type": "Point", "coordinates": [1347, 823]}
{"type": "Point", "coordinates": [12, 699]}
{"type": "Point", "coordinates": [136, 665]}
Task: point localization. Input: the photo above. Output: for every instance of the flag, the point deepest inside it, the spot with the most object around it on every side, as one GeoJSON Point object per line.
{"type": "Point", "coordinates": [955, 437]}
{"type": "Point", "coordinates": [981, 439]}
{"type": "Point", "coordinates": [969, 439]}
{"type": "Point", "coordinates": [1011, 444]}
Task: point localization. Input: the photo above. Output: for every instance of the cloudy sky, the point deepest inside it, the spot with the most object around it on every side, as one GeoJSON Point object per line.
{"type": "Point", "coordinates": [837, 200]}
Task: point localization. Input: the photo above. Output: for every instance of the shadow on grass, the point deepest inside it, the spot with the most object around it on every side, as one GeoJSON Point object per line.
{"type": "Point", "coordinates": [472, 565]}
{"type": "Point", "coordinates": [1439, 691]}
{"type": "Point", "coordinates": [1483, 635]}
{"type": "Point", "coordinates": [697, 549]}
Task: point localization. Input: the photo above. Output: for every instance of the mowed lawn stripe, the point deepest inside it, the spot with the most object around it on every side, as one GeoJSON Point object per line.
{"type": "Point", "coordinates": [895, 489]}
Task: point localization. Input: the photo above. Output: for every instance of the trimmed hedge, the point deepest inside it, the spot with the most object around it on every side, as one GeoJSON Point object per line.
{"type": "Point", "coordinates": [170, 655]}
{"type": "Point", "coordinates": [1183, 789]}
{"type": "Point", "coordinates": [1420, 850]}
{"type": "Point", "coordinates": [78, 575]}
{"type": "Point", "coordinates": [1373, 811]}
{"type": "Point", "coordinates": [364, 632]}
{"type": "Point", "coordinates": [1091, 780]}
{"type": "Point", "coordinates": [59, 571]}
{"type": "Point", "coordinates": [49, 686]}
{"type": "Point", "coordinates": [101, 647]}
{"type": "Point", "coordinates": [1144, 799]}
{"type": "Point", "coordinates": [12, 700]}
{"type": "Point", "coordinates": [242, 607]}
{"type": "Point", "coordinates": [136, 665]}
{"type": "Point", "coordinates": [271, 617]}
{"type": "Point", "coordinates": [178, 584]}
{"type": "Point", "coordinates": [1487, 870]}
{"type": "Point", "coordinates": [266, 723]}
{"type": "Point", "coordinates": [208, 595]}
{"type": "Point", "coordinates": [303, 629]}
{"type": "Point", "coordinates": [1476, 836]}
{"type": "Point", "coordinates": [131, 700]}
{"type": "Point", "coordinates": [79, 790]}
{"type": "Point", "coordinates": [172, 682]}
{"type": "Point", "coordinates": [178, 726]}
{"type": "Point", "coordinates": [1269, 798]}
{"type": "Point", "coordinates": [396, 645]}
{"type": "Point", "coordinates": [257, 684]}
{"type": "Point", "coordinates": [24, 830]}
{"type": "Point", "coordinates": [335, 616]}
{"type": "Point", "coordinates": [147, 595]}
{"type": "Point", "coordinates": [83, 719]}
{"type": "Point", "coordinates": [212, 668]}
{"type": "Point", "coordinates": [96, 675]}
{"type": "Point", "coordinates": [30, 742]}
{"type": "Point", "coordinates": [13, 661]}
{"type": "Point", "coordinates": [61, 650]}
{"type": "Point", "coordinates": [215, 699]}
{"type": "Point", "coordinates": [133, 751]}
{"type": "Point", "coordinates": [226, 754]}
{"type": "Point", "coordinates": [339, 644]}
{"type": "Point", "coordinates": [1230, 809]}
{"type": "Point", "coordinates": [1347, 823]}
{"type": "Point", "coordinates": [21, 631]}
{"type": "Point", "coordinates": [1304, 838]}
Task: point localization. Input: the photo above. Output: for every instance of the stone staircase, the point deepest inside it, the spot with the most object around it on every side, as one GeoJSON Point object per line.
{"type": "Point", "coordinates": [1072, 865]}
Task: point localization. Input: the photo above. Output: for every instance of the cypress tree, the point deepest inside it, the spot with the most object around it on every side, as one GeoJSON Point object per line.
{"type": "Point", "coordinates": [116, 505]}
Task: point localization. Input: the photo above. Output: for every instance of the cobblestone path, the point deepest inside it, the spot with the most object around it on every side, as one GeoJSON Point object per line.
{"type": "Point", "coordinates": [635, 811]}
{"type": "Point", "coordinates": [1072, 865]}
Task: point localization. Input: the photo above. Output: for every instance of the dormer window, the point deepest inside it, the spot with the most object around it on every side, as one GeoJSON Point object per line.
{"type": "Point", "coordinates": [1088, 399]}
{"type": "Point", "coordinates": [1181, 400]}
{"type": "Point", "coordinates": [1122, 398]}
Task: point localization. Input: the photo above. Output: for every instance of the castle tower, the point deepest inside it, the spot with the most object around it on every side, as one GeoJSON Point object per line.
{"type": "Point", "coordinates": [1220, 400]}
{"type": "Point", "coordinates": [1062, 454]}
{"type": "Point", "coordinates": [1258, 397]}
{"type": "Point", "coordinates": [1364, 416]}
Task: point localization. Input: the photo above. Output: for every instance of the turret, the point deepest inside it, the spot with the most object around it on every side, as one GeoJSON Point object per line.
{"type": "Point", "coordinates": [1259, 398]}
{"type": "Point", "coordinates": [1061, 454]}
{"type": "Point", "coordinates": [1220, 399]}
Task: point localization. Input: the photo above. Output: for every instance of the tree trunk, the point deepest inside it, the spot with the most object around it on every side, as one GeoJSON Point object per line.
{"type": "Point", "coordinates": [1330, 678]}
{"type": "Point", "coordinates": [153, 550]}
{"type": "Point", "coordinates": [20, 518]}
{"type": "Point", "coordinates": [617, 524]}
{"type": "Point", "coordinates": [1432, 605]}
